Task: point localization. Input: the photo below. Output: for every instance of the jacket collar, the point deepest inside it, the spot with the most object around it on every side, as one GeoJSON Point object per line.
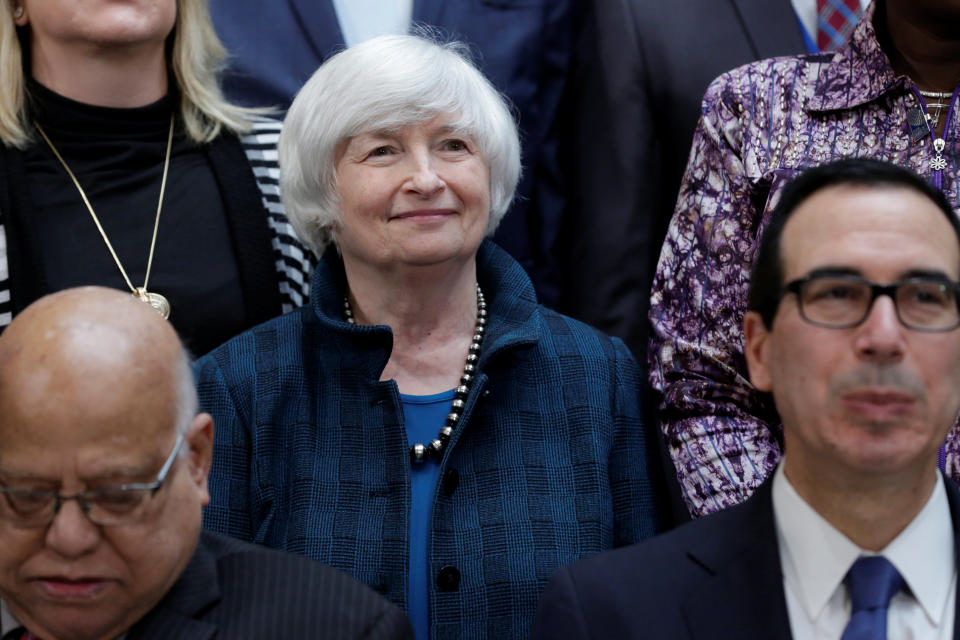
{"type": "Point", "coordinates": [756, 16]}
{"type": "Point", "coordinates": [744, 564]}
{"type": "Point", "coordinates": [319, 21]}
{"type": "Point", "coordinates": [175, 616]}
{"type": "Point", "coordinates": [513, 309]}
{"type": "Point", "coordinates": [859, 72]}
{"type": "Point", "coordinates": [953, 499]}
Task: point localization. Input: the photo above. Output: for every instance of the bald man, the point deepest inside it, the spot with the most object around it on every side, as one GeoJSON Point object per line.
{"type": "Point", "coordinates": [103, 475]}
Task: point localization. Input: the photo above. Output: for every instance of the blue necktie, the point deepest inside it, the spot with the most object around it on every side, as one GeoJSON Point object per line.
{"type": "Point", "coordinates": [872, 582]}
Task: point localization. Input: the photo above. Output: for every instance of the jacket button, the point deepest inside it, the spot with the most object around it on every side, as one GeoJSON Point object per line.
{"type": "Point", "coordinates": [451, 479]}
{"type": "Point", "coordinates": [449, 578]}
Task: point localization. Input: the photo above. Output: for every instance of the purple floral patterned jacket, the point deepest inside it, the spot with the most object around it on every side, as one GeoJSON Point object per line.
{"type": "Point", "coordinates": [761, 124]}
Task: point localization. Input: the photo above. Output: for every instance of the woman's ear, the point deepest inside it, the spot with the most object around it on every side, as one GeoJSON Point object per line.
{"type": "Point", "coordinates": [20, 15]}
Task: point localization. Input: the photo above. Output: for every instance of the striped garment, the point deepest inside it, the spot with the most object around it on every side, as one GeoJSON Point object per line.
{"type": "Point", "coordinates": [294, 263]}
{"type": "Point", "coordinates": [762, 123]}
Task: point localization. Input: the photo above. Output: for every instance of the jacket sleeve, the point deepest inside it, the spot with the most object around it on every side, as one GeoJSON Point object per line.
{"type": "Point", "coordinates": [717, 427]}
{"type": "Point", "coordinates": [632, 463]}
{"type": "Point", "coordinates": [618, 182]}
{"type": "Point", "coordinates": [231, 470]}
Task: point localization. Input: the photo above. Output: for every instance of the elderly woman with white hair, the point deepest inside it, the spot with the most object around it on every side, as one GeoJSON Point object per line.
{"type": "Point", "coordinates": [122, 165]}
{"type": "Point", "coordinates": [423, 424]}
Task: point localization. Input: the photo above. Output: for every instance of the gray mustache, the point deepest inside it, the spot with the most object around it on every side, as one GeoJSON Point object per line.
{"type": "Point", "coordinates": [893, 377]}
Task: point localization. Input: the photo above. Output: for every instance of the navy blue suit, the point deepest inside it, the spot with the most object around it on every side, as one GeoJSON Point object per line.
{"type": "Point", "coordinates": [716, 577]}
{"type": "Point", "coordinates": [523, 46]}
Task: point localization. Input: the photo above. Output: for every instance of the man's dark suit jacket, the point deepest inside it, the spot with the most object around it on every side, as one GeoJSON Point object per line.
{"type": "Point", "coordinates": [524, 47]}
{"type": "Point", "coordinates": [232, 590]}
{"type": "Point", "coordinates": [643, 69]}
{"type": "Point", "coordinates": [638, 85]}
{"type": "Point", "coordinates": [716, 577]}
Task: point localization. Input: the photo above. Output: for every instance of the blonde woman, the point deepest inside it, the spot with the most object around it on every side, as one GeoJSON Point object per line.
{"type": "Point", "coordinates": [122, 165]}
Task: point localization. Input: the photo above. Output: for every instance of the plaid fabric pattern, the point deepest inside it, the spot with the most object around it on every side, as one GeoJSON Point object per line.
{"type": "Point", "coordinates": [835, 21]}
{"type": "Point", "coordinates": [549, 463]}
{"type": "Point", "coordinates": [293, 261]}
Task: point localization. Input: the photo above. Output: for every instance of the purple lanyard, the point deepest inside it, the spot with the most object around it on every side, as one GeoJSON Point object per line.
{"type": "Point", "coordinates": [938, 164]}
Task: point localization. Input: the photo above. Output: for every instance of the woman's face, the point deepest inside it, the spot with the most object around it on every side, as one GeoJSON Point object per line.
{"type": "Point", "coordinates": [101, 23]}
{"type": "Point", "coordinates": [418, 195]}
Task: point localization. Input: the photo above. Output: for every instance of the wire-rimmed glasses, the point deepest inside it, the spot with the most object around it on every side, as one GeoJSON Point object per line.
{"type": "Point", "coordinates": [121, 504]}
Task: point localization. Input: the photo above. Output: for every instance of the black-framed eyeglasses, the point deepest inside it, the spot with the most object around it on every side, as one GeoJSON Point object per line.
{"type": "Point", "coordinates": [841, 301]}
{"type": "Point", "coordinates": [107, 506]}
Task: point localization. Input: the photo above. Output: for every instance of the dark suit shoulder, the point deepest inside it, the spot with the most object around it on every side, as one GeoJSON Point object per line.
{"type": "Point", "coordinates": [300, 595]}
{"type": "Point", "coordinates": [640, 591]}
{"type": "Point", "coordinates": [670, 556]}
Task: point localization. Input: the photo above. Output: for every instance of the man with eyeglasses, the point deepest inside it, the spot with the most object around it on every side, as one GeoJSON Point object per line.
{"type": "Point", "coordinates": [103, 475]}
{"type": "Point", "coordinates": [853, 327]}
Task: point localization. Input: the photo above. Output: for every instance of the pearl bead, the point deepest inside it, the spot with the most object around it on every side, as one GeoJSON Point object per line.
{"type": "Point", "coordinates": [418, 452]}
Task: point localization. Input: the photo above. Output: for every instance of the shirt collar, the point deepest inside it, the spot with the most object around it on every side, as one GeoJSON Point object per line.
{"type": "Point", "coordinates": [818, 556]}
{"type": "Point", "coordinates": [924, 553]}
{"type": "Point", "coordinates": [7, 620]}
{"type": "Point", "coordinates": [859, 72]}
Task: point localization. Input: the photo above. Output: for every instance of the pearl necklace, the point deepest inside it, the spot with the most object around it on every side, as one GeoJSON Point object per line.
{"type": "Point", "coordinates": [418, 451]}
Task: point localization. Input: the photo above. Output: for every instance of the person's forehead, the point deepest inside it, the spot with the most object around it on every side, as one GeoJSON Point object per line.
{"type": "Point", "coordinates": [57, 423]}
{"type": "Point", "coordinates": [886, 229]}
{"type": "Point", "coordinates": [115, 456]}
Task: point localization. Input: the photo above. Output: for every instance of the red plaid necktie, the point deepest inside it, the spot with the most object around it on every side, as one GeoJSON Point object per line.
{"type": "Point", "coordinates": [835, 20]}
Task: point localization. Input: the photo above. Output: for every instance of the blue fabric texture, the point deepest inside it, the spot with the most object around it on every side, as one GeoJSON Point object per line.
{"type": "Point", "coordinates": [423, 416]}
{"type": "Point", "coordinates": [872, 582]}
{"type": "Point", "coordinates": [548, 463]}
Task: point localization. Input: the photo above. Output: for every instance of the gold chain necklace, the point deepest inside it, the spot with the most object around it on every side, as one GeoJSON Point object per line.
{"type": "Point", "coordinates": [155, 300]}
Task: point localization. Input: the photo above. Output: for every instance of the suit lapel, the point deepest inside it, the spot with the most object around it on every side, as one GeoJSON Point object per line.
{"type": "Point", "coordinates": [192, 595]}
{"type": "Point", "coordinates": [318, 20]}
{"type": "Point", "coordinates": [953, 498]}
{"type": "Point", "coordinates": [744, 565]}
{"type": "Point", "coordinates": [771, 27]}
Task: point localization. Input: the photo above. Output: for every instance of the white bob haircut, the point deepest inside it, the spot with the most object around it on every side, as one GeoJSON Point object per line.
{"type": "Point", "coordinates": [388, 82]}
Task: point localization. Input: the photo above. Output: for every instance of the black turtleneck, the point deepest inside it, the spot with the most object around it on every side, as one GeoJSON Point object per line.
{"type": "Point", "coordinates": [117, 156]}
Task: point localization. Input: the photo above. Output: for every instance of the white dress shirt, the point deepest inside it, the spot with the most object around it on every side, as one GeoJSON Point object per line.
{"type": "Point", "coordinates": [364, 19]}
{"type": "Point", "coordinates": [806, 11]}
{"type": "Point", "coordinates": [7, 622]}
{"type": "Point", "coordinates": [815, 558]}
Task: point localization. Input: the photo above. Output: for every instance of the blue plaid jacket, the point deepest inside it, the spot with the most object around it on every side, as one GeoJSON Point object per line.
{"type": "Point", "coordinates": [548, 464]}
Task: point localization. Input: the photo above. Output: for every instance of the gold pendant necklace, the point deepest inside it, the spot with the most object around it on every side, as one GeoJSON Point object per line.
{"type": "Point", "coordinates": [155, 300]}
